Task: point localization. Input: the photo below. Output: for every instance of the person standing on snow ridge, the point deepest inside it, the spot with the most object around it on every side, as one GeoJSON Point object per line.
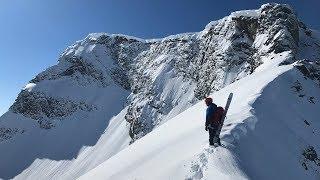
{"type": "Point", "coordinates": [212, 121]}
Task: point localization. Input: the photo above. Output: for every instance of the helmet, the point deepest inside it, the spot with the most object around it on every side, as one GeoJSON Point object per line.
{"type": "Point", "coordinates": [208, 100]}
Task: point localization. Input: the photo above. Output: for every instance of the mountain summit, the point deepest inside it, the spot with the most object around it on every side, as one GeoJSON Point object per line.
{"type": "Point", "coordinates": [111, 93]}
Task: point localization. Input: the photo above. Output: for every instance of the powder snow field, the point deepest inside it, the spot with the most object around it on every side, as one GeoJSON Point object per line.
{"type": "Point", "coordinates": [84, 141]}
{"type": "Point", "coordinates": [264, 135]}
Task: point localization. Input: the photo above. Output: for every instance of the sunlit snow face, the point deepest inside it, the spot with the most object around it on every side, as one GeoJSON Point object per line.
{"type": "Point", "coordinates": [29, 87]}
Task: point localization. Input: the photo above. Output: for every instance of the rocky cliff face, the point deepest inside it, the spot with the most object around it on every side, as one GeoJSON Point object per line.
{"type": "Point", "coordinates": [165, 76]}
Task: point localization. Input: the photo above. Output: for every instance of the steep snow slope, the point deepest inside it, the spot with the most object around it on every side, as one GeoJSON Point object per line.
{"type": "Point", "coordinates": [49, 152]}
{"type": "Point", "coordinates": [107, 91]}
{"type": "Point", "coordinates": [264, 135]}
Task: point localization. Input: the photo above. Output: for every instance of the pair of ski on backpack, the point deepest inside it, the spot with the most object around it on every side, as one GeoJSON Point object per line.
{"type": "Point", "coordinates": [219, 117]}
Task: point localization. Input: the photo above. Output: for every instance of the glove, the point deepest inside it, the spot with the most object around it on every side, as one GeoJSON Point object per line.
{"type": "Point", "coordinates": [206, 128]}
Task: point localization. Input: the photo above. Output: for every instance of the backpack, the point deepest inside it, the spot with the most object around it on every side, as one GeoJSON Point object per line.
{"type": "Point", "coordinates": [217, 116]}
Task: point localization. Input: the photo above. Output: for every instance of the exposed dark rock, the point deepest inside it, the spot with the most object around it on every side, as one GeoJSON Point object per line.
{"type": "Point", "coordinates": [311, 100]}
{"type": "Point", "coordinates": [310, 154]}
{"type": "Point", "coordinates": [282, 25]}
{"type": "Point", "coordinates": [297, 87]}
{"type": "Point", "coordinates": [42, 108]}
{"type": "Point", "coordinates": [248, 25]}
{"type": "Point", "coordinates": [78, 70]}
{"type": "Point", "coordinates": [310, 69]}
{"type": "Point", "coordinates": [307, 123]}
{"type": "Point", "coordinates": [8, 133]}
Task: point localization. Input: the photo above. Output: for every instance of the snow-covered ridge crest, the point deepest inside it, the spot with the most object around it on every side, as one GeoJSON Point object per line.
{"type": "Point", "coordinates": [109, 90]}
{"type": "Point", "coordinates": [248, 13]}
{"type": "Point", "coordinates": [257, 133]}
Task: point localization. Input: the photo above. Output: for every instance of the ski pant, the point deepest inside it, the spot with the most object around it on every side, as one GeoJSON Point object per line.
{"type": "Point", "coordinates": [213, 137]}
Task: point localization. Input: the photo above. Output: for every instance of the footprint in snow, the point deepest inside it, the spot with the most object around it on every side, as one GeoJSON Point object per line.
{"type": "Point", "coordinates": [200, 163]}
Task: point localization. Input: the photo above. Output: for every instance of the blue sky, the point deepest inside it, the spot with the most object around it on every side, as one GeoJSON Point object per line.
{"type": "Point", "coordinates": [34, 32]}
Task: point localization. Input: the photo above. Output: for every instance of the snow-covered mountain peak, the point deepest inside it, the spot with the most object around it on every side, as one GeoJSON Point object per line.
{"type": "Point", "coordinates": [109, 90]}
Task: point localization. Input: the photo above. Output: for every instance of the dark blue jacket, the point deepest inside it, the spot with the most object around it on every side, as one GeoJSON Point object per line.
{"type": "Point", "coordinates": [209, 114]}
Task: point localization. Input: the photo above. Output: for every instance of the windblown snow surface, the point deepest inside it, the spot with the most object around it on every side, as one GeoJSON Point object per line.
{"type": "Point", "coordinates": [263, 137]}
{"type": "Point", "coordinates": [120, 107]}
